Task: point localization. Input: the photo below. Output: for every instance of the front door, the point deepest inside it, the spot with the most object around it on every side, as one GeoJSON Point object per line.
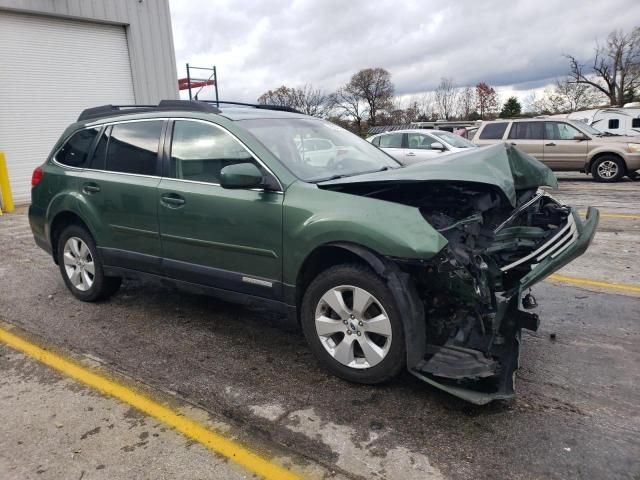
{"type": "Point", "coordinates": [419, 147]}
{"type": "Point", "coordinates": [120, 188]}
{"type": "Point", "coordinates": [561, 150]}
{"type": "Point", "coordinates": [223, 238]}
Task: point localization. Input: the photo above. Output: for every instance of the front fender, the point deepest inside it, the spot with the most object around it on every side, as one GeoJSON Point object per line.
{"type": "Point", "coordinates": [315, 217]}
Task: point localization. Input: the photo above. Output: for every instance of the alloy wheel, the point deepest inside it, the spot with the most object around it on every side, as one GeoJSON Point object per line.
{"type": "Point", "coordinates": [353, 326]}
{"type": "Point", "coordinates": [608, 169]}
{"type": "Point", "coordinates": [78, 264]}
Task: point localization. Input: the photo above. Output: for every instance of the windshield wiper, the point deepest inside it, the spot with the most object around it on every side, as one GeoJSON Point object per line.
{"type": "Point", "coordinates": [344, 175]}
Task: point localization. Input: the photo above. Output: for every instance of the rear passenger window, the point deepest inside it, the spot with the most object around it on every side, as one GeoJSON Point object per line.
{"type": "Point", "coordinates": [493, 131]}
{"type": "Point", "coordinates": [614, 123]}
{"type": "Point", "coordinates": [133, 147]}
{"type": "Point", "coordinates": [200, 150]}
{"type": "Point", "coordinates": [393, 140]}
{"type": "Point", "coordinates": [74, 153]}
{"type": "Point", "coordinates": [526, 131]}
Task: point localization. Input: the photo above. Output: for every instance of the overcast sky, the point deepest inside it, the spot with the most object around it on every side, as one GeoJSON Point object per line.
{"type": "Point", "coordinates": [259, 45]}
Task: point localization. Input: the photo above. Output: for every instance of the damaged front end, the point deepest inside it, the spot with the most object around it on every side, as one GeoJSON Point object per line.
{"type": "Point", "coordinates": [475, 292]}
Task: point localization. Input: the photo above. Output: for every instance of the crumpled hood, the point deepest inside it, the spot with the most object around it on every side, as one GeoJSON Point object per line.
{"type": "Point", "coordinates": [500, 165]}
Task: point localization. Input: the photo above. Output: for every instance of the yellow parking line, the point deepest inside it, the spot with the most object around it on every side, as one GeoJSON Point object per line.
{"type": "Point", "coordinates": [628, 216]}
{"type": "Point", "coordinates": [190, 428]}
{"type": "Point", "coordinates": [594, 283]}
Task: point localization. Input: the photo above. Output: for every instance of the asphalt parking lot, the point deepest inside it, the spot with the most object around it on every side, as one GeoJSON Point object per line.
{"type": "Point", "coordinates": [239, 370]}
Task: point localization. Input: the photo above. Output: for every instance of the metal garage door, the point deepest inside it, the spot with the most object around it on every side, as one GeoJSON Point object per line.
{"type": "Point", "coordinates": [50, 69]}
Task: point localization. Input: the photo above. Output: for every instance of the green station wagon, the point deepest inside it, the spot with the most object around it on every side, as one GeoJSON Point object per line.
{"type": "Point", "coordinates": [425, 267]}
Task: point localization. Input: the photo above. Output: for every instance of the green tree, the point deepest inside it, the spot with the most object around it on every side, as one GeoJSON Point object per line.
{"type": "Point", "coordinates": [511, 108]}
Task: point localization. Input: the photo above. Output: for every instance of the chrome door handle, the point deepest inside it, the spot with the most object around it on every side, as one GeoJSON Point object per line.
{"type": "Point", "coordinates": [90, 188]}
{"type": "Point", "coordinates": [411, 154]}
{"type": "Point", "coordinates": [513, 143]}
{"type": "Point", "coordinates": [550, 144]}
{"type": "Point", "coordinates": [172, 200]}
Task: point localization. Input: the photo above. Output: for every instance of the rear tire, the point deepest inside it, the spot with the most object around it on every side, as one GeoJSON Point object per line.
{"type": "Point", "coordinates": [81, 267]}
{"type": "Point", "coordinates": [608, 169]}
{"type": "Point", "coordinates": [362, 342]}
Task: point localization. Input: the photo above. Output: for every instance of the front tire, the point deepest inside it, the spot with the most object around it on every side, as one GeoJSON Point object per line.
{"type": "Point", "coordinates": [81, 267]}
{"type": "Point", "coordinates": [608, 169]}
{"type": "Point", "coordinates": [352, 325]}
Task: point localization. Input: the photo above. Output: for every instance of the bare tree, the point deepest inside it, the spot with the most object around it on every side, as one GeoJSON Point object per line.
{"type": "Point", "coordinates": [615, 69]}
{"type": "Point", "coordinates": [348, 101]}
{"type": "Point", "coordinates": [577, 96]}
{"type": "Point", "coordinates": [446, 96]}
{"type": "Point", "coordinates": [466, 102]}
{"type": "Point", "coordinates": [427, 106]}
{"type": "Point", "coordinates": [307, 99]}
{"type": "Point", "coordinates": [282, 96]}
{"type": "Point", "coordinates": [374, 86]}
{"type": "Point", "coordinates": [566, 96]}
{"type": "Point", "coordinates": [487, 99]}
{"type": "Point", "coordinates": [312, 101]}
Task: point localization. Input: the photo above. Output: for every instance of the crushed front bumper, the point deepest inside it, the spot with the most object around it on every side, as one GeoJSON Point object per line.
{"type": "Point", "coordinates": [512, 315]}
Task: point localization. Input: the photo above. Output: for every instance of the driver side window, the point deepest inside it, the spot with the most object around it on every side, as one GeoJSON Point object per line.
{"type": "Point", "coordinates": [559, 131]}
{"type": "Point", "coordinates": [420, 141]}
{"type": "Point", "coordinates": [200, 150]}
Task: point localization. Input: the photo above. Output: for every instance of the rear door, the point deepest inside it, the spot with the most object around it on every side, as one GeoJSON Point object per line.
{"type": "Point", "coordinates": [561, 150]}
{"type": "Point", "coordinates": [227, 239]}
{"type": "Point", "coordinates": [392, 144]}
{"type": "Point", "coordinates": [120, 189]}
{"type": "Point", "coordinates": [529, 137]}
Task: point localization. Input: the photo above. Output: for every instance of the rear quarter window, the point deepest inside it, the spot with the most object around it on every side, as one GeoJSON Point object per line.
{"type": "Point", "coordinates": [493, 131]}
{"type": "Point", "coordinates": [76, 150]}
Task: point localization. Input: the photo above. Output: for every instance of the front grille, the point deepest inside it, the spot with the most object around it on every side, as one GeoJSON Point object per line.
{"type": "Point", "coordinates": [562, 240]}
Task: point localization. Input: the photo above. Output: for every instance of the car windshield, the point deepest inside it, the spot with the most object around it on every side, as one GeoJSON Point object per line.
{"type": "Point", "coordinates": [588, 128]}
{"type": "Point", "coordinates": [316, 150]}
{"type": "Point", "coordinates": [453, 139]}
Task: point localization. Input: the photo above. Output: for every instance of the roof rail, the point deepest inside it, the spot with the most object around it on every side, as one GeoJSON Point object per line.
{"type": "Point", "coordinates": [109, 110]}
{"type": "Point", "coordinates": [255, 105]}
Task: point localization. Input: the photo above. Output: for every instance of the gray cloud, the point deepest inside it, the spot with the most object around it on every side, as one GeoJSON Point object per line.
{"type": "Point", "coordinates": [258, 45]}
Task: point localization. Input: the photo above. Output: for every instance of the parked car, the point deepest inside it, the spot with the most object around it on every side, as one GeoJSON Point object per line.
{"type": "Point", "coordinates": [412, 146]}
{"type": "Point", "coordinates": [317, 151]}
{"type": "Point", "coordinates": [567, 145]}
{"type": "Point", "coordinates": [424, 267]}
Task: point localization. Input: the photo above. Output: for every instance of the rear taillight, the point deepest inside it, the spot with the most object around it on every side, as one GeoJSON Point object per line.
{"type": "Point", "coordinates": [37, 175]}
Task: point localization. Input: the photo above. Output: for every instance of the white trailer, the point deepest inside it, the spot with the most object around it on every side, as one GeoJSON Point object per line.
{"type": "Point", "coordinates": [615, 120]}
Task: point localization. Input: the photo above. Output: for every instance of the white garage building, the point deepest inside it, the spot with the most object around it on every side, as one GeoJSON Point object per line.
{"type": "Point", "coordinates": [58, 57]}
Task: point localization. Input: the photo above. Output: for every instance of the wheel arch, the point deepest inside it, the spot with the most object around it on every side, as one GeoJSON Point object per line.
{"type": "Point", "coordinates": [61, 220]}
{"type": "Point", "coordinates": [601, 154]}
{"type": "Point", "coordinates": [400, 284]}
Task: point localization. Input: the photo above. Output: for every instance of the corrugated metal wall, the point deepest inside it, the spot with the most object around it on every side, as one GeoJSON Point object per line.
{"type": "Point", "coordinates": [148, 30]}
